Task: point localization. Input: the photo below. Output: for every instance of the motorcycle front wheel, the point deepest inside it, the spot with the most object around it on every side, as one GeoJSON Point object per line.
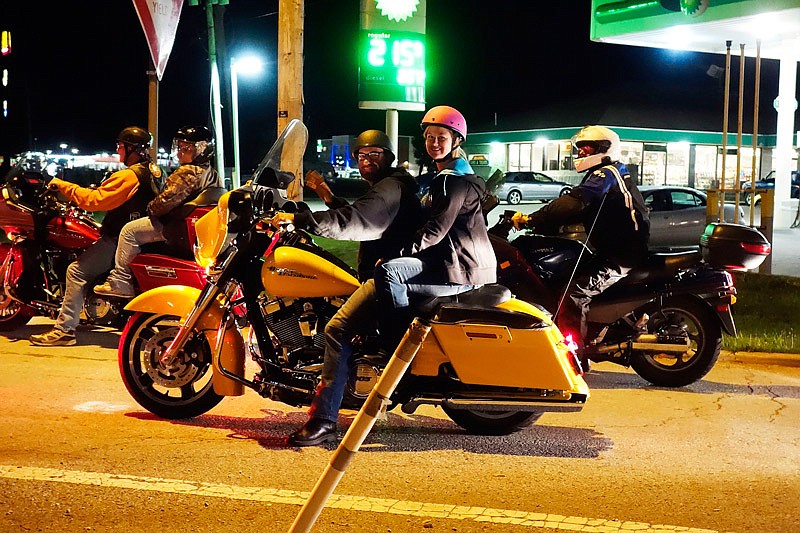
{"type": "Point", "coordinates": [183, 389]}
{"type": "Point", "coordinates": [13, 314]}
{"type": "Point", "coordinates": [491, 422]}
{"type": "Point", "coordinates": [684, 317]}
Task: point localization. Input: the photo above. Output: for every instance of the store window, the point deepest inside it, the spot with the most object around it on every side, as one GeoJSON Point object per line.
{"type": "Point", "coordinates": [705, 164]}
{"type": "Point", "coordinates": [631, 156]}
{"type": "Point", "coordinates": [678, 163]}
{"type": "Point", "coordinates": [654, 164]}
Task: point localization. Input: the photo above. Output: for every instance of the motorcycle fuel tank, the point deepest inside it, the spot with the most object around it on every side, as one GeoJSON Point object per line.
{"type": "Point", "coordinates": [71, 233]}
{"type": "Point", "coordinates": [291, 272]}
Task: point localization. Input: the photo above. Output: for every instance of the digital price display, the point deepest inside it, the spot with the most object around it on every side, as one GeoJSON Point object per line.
{"type": "Point", "coordinates": [392, 71]}
{"type": "Point", "coordinates": [391, 61]}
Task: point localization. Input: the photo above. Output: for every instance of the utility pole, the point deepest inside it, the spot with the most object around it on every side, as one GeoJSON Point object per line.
{"type": "Point", "coordinates": [216, 97]}
{"type": "Point", "coordinates": [290, 75]}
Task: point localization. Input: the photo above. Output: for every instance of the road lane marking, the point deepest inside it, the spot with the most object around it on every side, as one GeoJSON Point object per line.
{"type": "Point", "coordinates": [339, 501]}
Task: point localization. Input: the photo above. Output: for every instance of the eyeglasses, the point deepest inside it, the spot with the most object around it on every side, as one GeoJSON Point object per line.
{"type": "Point", "coordinates": [372, 156]}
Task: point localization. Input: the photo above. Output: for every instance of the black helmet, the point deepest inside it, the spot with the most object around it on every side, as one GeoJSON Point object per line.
{"type": "Point", "coordinates": [202, 139]}
{"type": "Point", "coordinates": [373, 139]}
{"type": "Point", "coordinates": [135, 136]}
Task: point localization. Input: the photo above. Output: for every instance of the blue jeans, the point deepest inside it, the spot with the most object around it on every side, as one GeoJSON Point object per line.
{"type": "Point", "coordinates": [131, 238]}
{"type": "Point", "coordinates": [357, 315]}
{"type": "Point", "coordinates": [96, 260]}
{"type": "Point", "coordinates": [398, 279]}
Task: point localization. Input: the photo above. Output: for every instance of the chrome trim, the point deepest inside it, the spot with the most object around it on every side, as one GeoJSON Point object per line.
{"type": "Point", "coordinates": [161, 272]}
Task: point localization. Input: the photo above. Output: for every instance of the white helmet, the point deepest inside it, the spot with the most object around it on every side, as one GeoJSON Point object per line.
{"type": "Point", "coordinates": [606, 144]}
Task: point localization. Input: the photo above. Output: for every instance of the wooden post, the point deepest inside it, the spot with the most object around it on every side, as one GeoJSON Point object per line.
{"type": "Point", "coordinates": [152, 109]}
{"type": "Point", "coordinates": [290, 75]}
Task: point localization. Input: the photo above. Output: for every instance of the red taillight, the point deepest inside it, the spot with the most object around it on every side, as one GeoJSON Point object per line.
{"type": "Point", "coordinates": [760, 249]}
{"type": "Point", "coordinates": [572, 348]}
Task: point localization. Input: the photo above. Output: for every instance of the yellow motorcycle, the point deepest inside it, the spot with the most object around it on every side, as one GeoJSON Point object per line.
{"type": "Point", "coordinates": [493, 363]}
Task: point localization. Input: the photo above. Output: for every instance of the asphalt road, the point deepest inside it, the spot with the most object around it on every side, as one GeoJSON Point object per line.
{"type": "Point", "coordinates": [77, 454]}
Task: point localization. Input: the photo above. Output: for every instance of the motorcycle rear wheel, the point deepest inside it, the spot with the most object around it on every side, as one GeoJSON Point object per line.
{"type": "Point", "coordinates": [705, 335]}
{"type": "Point", "coordinates": [183, 390]}
{"type": "Point", "coordinates": [491, 422]}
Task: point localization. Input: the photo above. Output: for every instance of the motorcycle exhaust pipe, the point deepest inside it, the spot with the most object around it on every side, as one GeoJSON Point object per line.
{"type": "Point", "coordinates": [646, 343]}
{"type": "Point", "coordinates": [491, 405]}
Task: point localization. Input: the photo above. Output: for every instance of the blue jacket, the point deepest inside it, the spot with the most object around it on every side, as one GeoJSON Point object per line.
{"type": "Point", "coordinates": [608, 195]}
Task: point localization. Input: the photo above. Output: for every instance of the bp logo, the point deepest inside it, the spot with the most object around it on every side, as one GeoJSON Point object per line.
{"type": "Point", "coordinates": [398, 10]}
{"type": "Point", "coordinates": [694, 7]}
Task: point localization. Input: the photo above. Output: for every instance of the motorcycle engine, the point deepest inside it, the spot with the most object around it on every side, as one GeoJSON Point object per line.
{"type": "Point", "coordinates": [297, 328]}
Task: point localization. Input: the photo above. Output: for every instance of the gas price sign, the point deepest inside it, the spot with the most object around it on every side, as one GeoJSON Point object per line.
{"type": "Point", "coordinates": [392, 55]}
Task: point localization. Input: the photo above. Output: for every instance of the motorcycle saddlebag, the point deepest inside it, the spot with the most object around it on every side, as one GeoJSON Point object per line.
{"type": "Point", "coordinates": [733, 247]}
{"type": "Point", "coordinates": [497, 347]}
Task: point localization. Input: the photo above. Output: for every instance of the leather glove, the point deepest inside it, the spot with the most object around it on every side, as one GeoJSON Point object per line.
{"type": "Point", "coordinates": [282, 219]}
{"type": "Point", "coordinates": [520, 220]}
{"type": "Point", "coordinates": [313, 180]}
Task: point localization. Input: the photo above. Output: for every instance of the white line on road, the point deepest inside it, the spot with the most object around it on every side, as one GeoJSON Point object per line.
{"type": "Point", "coordinates": [336, 501]}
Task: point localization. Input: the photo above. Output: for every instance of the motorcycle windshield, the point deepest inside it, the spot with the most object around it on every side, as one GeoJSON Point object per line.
{"type": "Point", "coordinates": [212, 233]}
{"type": "Point", "coordinates": [286, 155]}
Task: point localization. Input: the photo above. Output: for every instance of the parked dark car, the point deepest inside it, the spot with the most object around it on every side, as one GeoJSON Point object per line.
{"type": "Point", "coordinates": [769, 183]}
{"type": "Point", "coordinates": [522, 186]}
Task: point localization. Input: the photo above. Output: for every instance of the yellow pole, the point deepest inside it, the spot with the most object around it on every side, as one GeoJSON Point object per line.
{"type": "Point", "coordinates": [736, 185]}
{"type": "Point", "coordinates": [726, 99]}
{"type": "Point", "coordinates": [755, 132]}
{"type": "Point", "coordinates": [361, 426]}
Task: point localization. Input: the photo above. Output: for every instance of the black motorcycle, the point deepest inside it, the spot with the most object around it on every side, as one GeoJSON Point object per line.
{"type": "Point", "coordinates": [665, 319]}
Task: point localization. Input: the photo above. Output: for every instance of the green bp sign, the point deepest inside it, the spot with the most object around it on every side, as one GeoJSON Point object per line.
{"type": "Point", "coordinates": [391, 58]}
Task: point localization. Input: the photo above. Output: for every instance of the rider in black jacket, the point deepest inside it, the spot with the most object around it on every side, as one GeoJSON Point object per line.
{"type": "Point", "coordinates": [612, 210]}
{"type": "Point", "coordinates": [384, 220]}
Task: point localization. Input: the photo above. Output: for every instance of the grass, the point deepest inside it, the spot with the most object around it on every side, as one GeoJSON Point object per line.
{"type": "Point", "coordinates": [767, 314]}
{"type": "Point", "coordinates": [767, 310]}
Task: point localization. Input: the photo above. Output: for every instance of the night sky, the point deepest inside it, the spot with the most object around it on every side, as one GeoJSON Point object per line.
{"type": "Point", "coordinates": [516, 63]}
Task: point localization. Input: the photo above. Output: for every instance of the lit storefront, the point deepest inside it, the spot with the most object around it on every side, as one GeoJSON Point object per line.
{"type": "Point", "coordinates": [655, 157]}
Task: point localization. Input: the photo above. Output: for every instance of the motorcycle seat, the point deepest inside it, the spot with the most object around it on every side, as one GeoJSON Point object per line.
{"type": "Point", "coordinates": [477, 305]}
{"type": "Point", "coordinates": [663, 265]}
{"type": "Point", "coordinates": [484, 296]}
{"type": "Point", "coordinates": [462, 313]}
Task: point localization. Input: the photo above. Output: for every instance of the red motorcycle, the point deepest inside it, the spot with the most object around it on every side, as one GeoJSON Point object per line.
{"type": "Point", "coordinates": [45, 234]}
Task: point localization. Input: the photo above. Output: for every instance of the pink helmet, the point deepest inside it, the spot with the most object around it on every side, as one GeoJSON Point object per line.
{"type": "Point", "coordinates": [449, 117]}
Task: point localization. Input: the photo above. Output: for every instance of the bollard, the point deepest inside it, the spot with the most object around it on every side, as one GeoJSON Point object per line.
{"type": "Point", "coordinates": [361, 426]}
{"type": "Point", "coordinates": [712, 205]}
{"type": "Point", "coordinates": [767, 225]}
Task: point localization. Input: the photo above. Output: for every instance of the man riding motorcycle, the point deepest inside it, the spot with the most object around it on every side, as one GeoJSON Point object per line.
{"type": "Point", "coordinates": [612, 210]}
{"type": "Point", "coordinates": [124, 195]}
{"type": "Point", "coordinates": [194, 148]}
{"type": "Point", "coordinates": [384, 219]}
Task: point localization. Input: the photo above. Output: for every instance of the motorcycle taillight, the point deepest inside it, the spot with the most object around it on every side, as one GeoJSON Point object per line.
{"type": "Point", "coordinates": [572, 348]}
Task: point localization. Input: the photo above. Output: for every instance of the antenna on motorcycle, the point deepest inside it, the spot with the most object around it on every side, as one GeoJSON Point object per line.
{"type": "Point", "coordinates": [580, 256]}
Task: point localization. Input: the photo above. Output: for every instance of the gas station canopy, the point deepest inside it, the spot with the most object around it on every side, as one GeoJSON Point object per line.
{"type": "Point", "coordinates": [700, 25]}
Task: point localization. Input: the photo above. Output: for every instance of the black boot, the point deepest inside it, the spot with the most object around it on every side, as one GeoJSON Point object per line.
{"type": "Point", "coordinates": [315, 431]}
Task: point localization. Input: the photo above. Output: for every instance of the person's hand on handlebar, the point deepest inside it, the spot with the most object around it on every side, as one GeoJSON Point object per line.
{"type": "Point", "coordinates": [316, 183]}
{"type": "Point", "coordinates": [520, 220]}
{"type": "Point", "coordinates": [282, 219]}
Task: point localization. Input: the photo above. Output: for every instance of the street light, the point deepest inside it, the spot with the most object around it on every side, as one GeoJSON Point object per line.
{"type": "Point", "coordinates": [247, 65]}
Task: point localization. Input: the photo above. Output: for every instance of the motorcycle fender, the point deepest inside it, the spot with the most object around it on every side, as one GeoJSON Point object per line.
{"type": "Point", "coordinates": [179, 300]}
